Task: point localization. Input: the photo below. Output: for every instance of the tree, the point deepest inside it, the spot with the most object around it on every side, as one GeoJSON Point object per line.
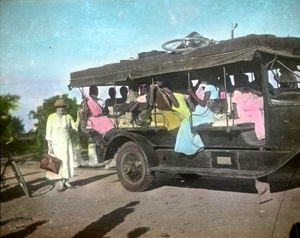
{"type": "Point", "coordinates": [11, 127]}
{"type": "Point", "coordinates": [41, 115]}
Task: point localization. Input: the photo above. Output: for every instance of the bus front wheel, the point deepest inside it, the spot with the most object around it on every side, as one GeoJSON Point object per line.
{"type": "Point", "coordinates": [132, 167]}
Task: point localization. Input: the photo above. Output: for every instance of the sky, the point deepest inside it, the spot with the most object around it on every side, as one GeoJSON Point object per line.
{"type": "Point", "coordinates": [43, 41]}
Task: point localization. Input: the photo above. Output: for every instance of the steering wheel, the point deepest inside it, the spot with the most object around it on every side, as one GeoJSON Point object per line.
{"type": "Point", "coordinates": [185, 44]}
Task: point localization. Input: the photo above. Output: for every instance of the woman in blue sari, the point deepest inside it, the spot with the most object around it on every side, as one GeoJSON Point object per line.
{"type": "Point", "coordinates": [186, 141]}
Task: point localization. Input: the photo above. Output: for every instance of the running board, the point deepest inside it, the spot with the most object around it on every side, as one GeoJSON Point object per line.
{"type": "Point", "coordinates": [219, 172]}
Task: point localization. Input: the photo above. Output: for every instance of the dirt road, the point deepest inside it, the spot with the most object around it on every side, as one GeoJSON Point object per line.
{"type": "Point", "coordinates": [101, 207]}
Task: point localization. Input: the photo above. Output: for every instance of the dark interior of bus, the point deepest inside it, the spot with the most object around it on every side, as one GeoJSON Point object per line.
{"type": "Point", "coordinates": [241, 134]}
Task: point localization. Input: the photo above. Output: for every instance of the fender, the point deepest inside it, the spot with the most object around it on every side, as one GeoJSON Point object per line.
{"type": "Point", "coordinates": [294, 153]}
{"type": "Point", "coordinates": [145, 145]}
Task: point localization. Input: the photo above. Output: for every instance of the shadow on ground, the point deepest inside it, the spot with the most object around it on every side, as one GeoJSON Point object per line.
{"type": "Point", "coordinates": [15, 219]}
{"type": "Point", "coordinates": [295, 230]}
{"type": "Point", "coordinates": [284, 179]}
{"type": "Point", "coordinates": [137, 232]}
{"type": "Point", "coordinates": [83, 182]}
{"type": "Point", "coordinates": [24, 232]}
{"type": "Point", "coordinates": [108, 222]}
{"type": "Point", "coordinates": [36, 187]}
{"type": "Point", "coordinates": [41, 186]}
{"type": "Point", "coordinates": [24, 175]}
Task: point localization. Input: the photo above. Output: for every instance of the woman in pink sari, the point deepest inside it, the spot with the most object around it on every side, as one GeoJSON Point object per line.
{"type": "Point", "coordinates": [97, 120]}
{"type": "Point", "coordinates": [250, 109]}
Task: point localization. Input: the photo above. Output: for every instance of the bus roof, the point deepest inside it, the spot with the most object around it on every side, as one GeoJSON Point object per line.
{"type": "Point", "coordinates": [222, 53]}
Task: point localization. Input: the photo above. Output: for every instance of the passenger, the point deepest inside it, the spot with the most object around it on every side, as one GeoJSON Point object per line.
{"type": "Point", "coordinates": [210, 93]}
{"type": "Point", "coordinates": [112, 94]}
{"type": "Point", "coordinates": [98, 121]}
{"type": "Point", "coordinates": [287, 79]}
{"type": "Point", "coordinates": [142, 98]}
{"type": "Point", "coordinates": [143, 91]}
{"type": "Point", "coordinates": [126, 106]}
{"type": "Point", "coordinates": [120, 107]}
{"type": "Point", "coordinates": [249, 105]}
{"type": "Point", "coordinates": [241, 80]}
{"type": "Point", "coordinates": [256, 84]}
{"type": "Point", "coordinates": [142, 108]}
{"type": "Point", "coordinates": [229, 86]}
{"type": "Point", "coordinates": [199, 91]}
{"type": "Point", "coordinates": [188, 142]}
{"type": "Point", "coordinates": [123, 92]}
{"type": "Point", "coordinates": [110, 102]}
{"type": "Point", "coordinates": [132, 94]}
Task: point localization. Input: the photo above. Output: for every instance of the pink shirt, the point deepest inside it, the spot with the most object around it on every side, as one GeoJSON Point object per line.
{"type": "Point", "coordinates": [250, 109]}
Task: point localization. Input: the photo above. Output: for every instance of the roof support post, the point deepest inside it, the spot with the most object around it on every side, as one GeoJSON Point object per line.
{"type": "Point", "coordinates": [225, 88]}
{"type": "Point", "coordinates": [189, 85]}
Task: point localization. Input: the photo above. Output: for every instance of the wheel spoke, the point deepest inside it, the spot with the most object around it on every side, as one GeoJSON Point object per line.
{"type": "Point", "coordinates": [132, 167]}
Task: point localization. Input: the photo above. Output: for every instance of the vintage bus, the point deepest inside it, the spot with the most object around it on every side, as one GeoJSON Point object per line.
{"type": "Point", "coordinates": [254, 147]}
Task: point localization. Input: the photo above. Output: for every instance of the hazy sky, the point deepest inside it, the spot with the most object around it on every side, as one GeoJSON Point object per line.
{"type": "Point", "coordinates": [42, 41]}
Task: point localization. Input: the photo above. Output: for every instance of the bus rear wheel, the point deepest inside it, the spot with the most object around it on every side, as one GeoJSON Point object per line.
{"type": "Point", "coordinates": [132, 167]}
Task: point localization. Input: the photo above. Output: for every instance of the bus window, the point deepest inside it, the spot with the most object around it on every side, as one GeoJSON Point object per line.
{"type": "Point", "coordinates": [282, 80]}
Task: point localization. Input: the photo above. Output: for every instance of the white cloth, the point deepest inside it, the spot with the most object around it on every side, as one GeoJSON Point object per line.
{"type": "Point", "coordinates": [131, 97]}
{"type": "Point", "coordinates": [142, 98]}
{"type": "Point", "coordinates": [58, 132]}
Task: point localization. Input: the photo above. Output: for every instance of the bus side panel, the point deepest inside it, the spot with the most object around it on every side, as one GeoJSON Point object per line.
{"type": "Point", "coordinates": [283, 131]}
{"type": "Point", "coordinates": [243, 160]}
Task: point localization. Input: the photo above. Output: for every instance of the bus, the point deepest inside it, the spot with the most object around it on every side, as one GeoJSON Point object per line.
{"type": "Point", "coordinates": [244, 140]}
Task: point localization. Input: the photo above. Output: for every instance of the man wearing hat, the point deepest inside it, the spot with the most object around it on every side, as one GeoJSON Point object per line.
{"type": "Point", "coordinates": [59, 126]}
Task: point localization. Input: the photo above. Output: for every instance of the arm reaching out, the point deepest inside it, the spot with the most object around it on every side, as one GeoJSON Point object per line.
{"type": "Point", "coordinates": [75, 125]}
{"type": "Point", "coordinates": [203, 102]}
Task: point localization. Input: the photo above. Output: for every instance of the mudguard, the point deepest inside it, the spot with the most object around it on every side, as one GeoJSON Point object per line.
{"type": "Point", "coordinates": [294, 153]}
{"type": "Point", "coordinates": [145, 145]}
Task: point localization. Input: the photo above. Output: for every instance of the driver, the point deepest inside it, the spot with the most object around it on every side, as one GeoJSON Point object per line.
{"type": "Point", "coordinates": [287, 79]}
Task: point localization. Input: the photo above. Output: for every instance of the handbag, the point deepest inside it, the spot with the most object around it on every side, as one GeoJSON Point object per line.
{"type": "Point", "coordinates": [162, 100]}
{"type": "Point", "coordinates": [50, 163]}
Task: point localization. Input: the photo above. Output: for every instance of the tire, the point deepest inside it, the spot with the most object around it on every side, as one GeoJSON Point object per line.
{"type": "Point", "coordinates": [20, 177]}
{"type": "Point", "coordinates": [132, 167]}
{"type": "Point", "coordinates": [182, 42]}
